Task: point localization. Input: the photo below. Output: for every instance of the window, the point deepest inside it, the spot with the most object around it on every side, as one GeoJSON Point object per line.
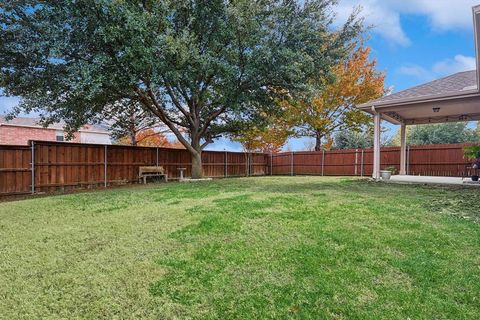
{"type": "Point", "coordinates": [59, 135]}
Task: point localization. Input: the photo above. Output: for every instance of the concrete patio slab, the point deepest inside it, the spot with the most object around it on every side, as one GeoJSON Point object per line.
{"type": "Point", "coordinates": [433, 180]}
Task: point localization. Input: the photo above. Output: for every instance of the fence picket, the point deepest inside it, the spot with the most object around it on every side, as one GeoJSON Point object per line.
{"type": "Point", "coordinates": [46, 166]}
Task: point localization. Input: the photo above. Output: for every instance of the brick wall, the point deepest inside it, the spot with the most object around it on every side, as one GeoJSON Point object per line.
{"type": "Point", "coordinates": [13, 135]}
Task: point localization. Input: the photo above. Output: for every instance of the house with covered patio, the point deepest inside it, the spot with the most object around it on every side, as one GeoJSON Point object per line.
{"type": "Point", "coordinates": [450, 99]}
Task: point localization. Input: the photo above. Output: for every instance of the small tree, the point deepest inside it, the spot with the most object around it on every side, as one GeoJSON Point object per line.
{"type": "Point", "coordinates": [198, 66]}
{"type": "Point", "coordinates": [333, 109]}
{"type": "Point", "coordinates": [127, 119]}
{"type": "Point", "coordinates": [353, 139]}
{"type": "Point", "coordinates": [441, 133]}
{"type": "Point", "coordinates": [269, 139]}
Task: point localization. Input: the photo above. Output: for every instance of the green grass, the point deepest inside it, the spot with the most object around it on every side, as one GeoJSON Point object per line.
{"type": "Point", "coordinates": [255, 248]}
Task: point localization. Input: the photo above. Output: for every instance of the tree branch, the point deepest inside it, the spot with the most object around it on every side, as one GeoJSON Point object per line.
{"type": "Point", "coordinates": [159, 111]}
{"type": "Point", "coordinates": [210, 118]}
{"type": "Point", "coordinates": [176, 102]}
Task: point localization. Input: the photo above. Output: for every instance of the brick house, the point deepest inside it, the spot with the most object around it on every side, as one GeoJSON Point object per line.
{"type": "Point", "coordinates": [19, 131]}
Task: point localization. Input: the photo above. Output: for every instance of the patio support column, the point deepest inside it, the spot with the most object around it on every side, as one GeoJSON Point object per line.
{"type": "Point", "coordinates": [376, 144]}
{"type": "Point", "coordinates": [403, 149]}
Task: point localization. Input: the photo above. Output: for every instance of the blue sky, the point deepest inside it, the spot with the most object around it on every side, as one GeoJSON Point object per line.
{"type": "Point", "coordinates": [414, 41]}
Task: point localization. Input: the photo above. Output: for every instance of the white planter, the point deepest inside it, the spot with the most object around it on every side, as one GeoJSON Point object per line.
{"type": "Point", "coordinates": [385, 174]}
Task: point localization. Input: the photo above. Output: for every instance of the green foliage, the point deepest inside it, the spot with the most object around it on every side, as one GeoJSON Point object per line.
{"type": "Point", "coordinates": [353, 139]}
{"type": "Point", "coordinates": [392, 169]}
{"type": "Point", "coordinates": [358, 139]}
{"type": "Point", "coordinates": [471, 152]}
{"type": "Point", "coordinates": [443, 133]}
{"type": "Point", "coordinates": [202, 68]}
{"type": "Point", "coordinates": [256, 248]}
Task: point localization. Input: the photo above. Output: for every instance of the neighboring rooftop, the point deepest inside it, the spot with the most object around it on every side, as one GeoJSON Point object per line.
{"type": "Point", "coordinates": [35, 122]}
{"type": "Point", "coordinates": [455, 84]}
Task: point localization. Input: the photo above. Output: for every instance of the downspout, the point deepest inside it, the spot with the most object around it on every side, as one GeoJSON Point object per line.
{"type": "Point", "coordinates": [476, 32]}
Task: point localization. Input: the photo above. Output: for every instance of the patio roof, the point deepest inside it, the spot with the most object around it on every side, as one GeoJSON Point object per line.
{"type": "Point", "coordinates": [449, 99]}
{"type": "Point", "coordinates": [453, 85]}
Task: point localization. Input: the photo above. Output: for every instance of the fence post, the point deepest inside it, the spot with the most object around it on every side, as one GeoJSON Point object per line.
{"type": "Point", "coordinates": [33, 167]}
{"type": "Point", "coordinates": [356, 162]}
{"type": "Point", "coordinates": [271, 163]}
{"type": "Point", "coordinates": [251, 165]}
{"type": "Point", "coordinates": [361, 164]}
{"type": "Point", "coordinates": [408, 160]}
{"type": "Point", "coordinates": [105, 166]}
{"type": "Point", "coordinates": [226, 165]}
{"type": "Point", "coordinates": [323, 161]}
{"type": "Point", "coordinates": [157, 157]}
{"type": "Point", "coordinates": [246, 164]}
{"type": "Point", "coordinates": [291, 163]}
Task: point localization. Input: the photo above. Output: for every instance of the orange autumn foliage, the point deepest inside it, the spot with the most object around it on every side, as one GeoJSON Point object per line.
{"type": "Point", "coordinates": [151, 138]}
{"type": "Point", "coordinates": [270, 139]}
{"type": "Point", "coordinates": [333, 109]}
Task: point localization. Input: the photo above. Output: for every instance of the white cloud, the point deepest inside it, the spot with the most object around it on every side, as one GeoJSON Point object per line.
{"type": "Point", "coordinates": [385, 15]}
{"type": "Point", "coordinates": [457, 64]}
{"type": "Point", "coordinates": [385, 22]}
{"type": "Point", "coordinates": [439, 69]}
{"type": "Point", "coordinates": [443, 14]}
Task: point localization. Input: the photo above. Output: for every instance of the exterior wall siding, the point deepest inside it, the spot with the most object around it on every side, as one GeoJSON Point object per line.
{"type": "Point", "coordinates": [95, 138]}
{"type": "Point", "coordinates": [15, 135]}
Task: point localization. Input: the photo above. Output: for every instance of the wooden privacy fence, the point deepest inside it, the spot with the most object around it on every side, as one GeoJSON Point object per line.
{"type": "Point", "coordinates": [429, 160]}
{"type": "Point", "coordinates": [57, 165]}
{"type": "Point", "coordinates": [60, 165]}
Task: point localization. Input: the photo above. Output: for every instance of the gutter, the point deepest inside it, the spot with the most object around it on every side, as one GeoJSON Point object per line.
{"type": "Point", "coordinates": [425, 99]}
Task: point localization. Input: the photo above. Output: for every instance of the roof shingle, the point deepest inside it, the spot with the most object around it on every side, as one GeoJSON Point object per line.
{"type": "Point", "coordinates": [454, 84]}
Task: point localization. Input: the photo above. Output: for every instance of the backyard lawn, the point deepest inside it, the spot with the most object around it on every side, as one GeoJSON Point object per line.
{"type": "Point", "coordinates": [250, 248]}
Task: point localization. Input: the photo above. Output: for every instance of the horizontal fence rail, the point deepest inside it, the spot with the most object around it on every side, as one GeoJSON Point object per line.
{"type": "Point", "coordinates": [428, 160]}
{"type": "Point", "coordinates": [49, 166]}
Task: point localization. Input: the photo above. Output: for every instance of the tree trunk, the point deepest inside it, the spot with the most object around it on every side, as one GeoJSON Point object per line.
{"type": "Point", "coordinates": [318, 142]}
{"type": "Point", "coordinates": [197, 170]}
{"type": "Point", "coordinates": [133, 139]}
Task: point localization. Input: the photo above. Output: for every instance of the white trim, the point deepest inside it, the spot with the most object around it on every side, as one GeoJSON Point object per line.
{"type": "Point", "coordinates": [476, 33]}
{"type": "Point", "coordinates": [94, 131]}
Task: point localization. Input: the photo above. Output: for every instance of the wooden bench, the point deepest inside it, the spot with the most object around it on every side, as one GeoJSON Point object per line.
{"type": "Point", "coordinates": [153, 171]}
